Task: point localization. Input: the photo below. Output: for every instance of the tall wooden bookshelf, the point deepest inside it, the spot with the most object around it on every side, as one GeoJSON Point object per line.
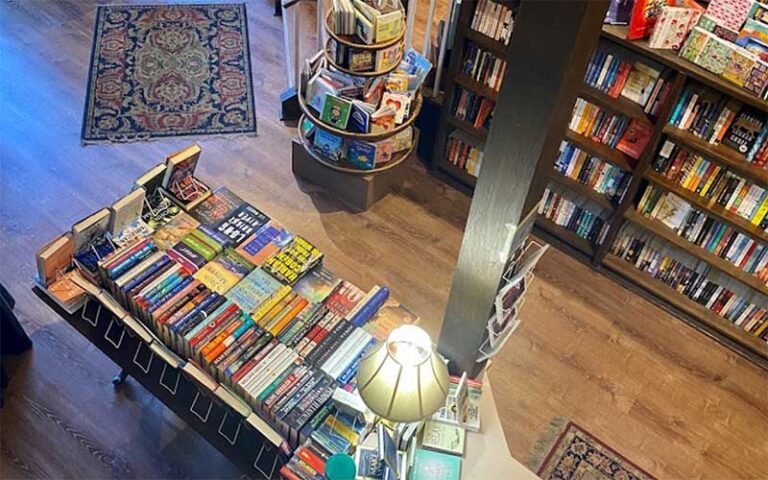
{"type": "Point", "coordinates": [642, 174]}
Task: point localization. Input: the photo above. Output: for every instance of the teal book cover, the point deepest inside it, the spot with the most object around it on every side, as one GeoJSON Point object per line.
{"type": "Point", "coordinates": [429, 465]}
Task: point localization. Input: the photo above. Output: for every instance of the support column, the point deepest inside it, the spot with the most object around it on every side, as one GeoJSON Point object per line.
{"type": "Point", "coordinates": [548, 54]}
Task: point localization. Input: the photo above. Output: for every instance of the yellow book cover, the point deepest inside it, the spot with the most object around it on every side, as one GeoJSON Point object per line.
{"type": "Point", "coordinates": [760, 213]}
{"type": "Point", "coordinates": [270, 303]}
{"type": "Point", "coordinates": [710, 179]}
{"type": "Point", "coordinates": [691, 175]}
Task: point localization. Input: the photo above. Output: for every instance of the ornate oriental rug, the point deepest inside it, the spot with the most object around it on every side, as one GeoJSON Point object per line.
{"type": "Point", "coordinates": [169, 70]}
{"type": "Point", "coordinates": [577, 455]}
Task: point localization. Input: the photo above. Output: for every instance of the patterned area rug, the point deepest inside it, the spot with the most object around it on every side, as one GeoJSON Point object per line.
{"type": "Point", "coordinates": [169, 70]}
{"type": "Point", "coordinates": [577, 455]}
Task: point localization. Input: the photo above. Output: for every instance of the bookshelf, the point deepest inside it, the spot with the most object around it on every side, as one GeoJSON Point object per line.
{"type": "Point", "coordinates": [681, 74]}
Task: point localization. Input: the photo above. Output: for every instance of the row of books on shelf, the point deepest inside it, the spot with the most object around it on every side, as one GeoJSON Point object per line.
{"type": "Point", "coordinates": [473, 108]}
{"type": "Point", "coordinates": [709, 180]}
{"type": "Point", "coordinates": [600, 125]}
{"type": "Point", "coordinates": [483, 66]}
{"type": "Point", "coordinates": [371, 22]}
{"type": "Point", "coordinates": [494, 19]}
{"type": "Point", "coordinates": [602, 177]}
{"type": "Point", "coordinates": [416, 451]}
{"type": "Point", "coordinates": [692, 278]}
{"type": "Point", "coordinates": [359, 105]}
{"type": "Point", "coordinates": [705, 231]}
{"type": "Point", "coordinates": [353, 152]}
{"type": "Point", "coordinates": [224, 285]}
{"type": "Point", "coordinates": [719, 119]}
{"type": "Point", "coordinates": [617, 73]}
{"type": "Point", "coordinates": [576, 215]}
{"type": "Point", "coordinates": [464, 152]}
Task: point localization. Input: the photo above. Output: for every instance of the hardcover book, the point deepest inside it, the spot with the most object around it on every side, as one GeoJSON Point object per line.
{"type": "Point", "coordinates": [290, 263]}
{"type": "Point", "coordinates": [265, 242]}
{"type": "Point", "coordinates": [241, 223]}
{"type": "Point", "coordinates": [429, 465]}
{"type": "Point", "coordinates": [362, 154]}
{"type": "Point", "coordinates": [328, 145]}
{"type": "Point", "coordinates": [317, 284]}
{"type": "Point", "coordinates": [635, 138]}
{"type": "Point", "coordinates": [217, 207]}
{"type": "Point", "coordinates": [336, 111]}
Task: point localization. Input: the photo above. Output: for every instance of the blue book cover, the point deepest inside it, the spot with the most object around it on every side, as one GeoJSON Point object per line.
{"type": "Point", "coordinates": [328, 145]}
{"type": "Point", "coordinates": [361, 154]}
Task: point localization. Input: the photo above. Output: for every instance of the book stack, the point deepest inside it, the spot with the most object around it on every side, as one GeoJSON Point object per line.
{"type": "Point", "coordinates": [723, 296]}
{"type": "Point", "coordinates": [600, 176]}
{"type": "Point", "coordinates": [483, 66]}
{"type": "Point", "coordinates": [493, 20]}
{"type": "Point", "coordinates": [717, 119]}
{"type": "Point", "coordinates": [575, 215]}
{"type": "Point", "coordinates": [597, 123]}
{"type": "Point", "coordinates": [705, 231]}
{"type": "Point", "coordinates": [473, 108]}
{"type": "Point", "coordinates": [464, 152]}
{"type": "Point", "coordinates": [732, 192]}
{"type": "Point", "coordinates": [616, 74]}
{"type": "Point", "coordinates": [370, 21]}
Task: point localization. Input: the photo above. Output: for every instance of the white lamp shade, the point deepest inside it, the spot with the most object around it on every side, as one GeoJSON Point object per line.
{"type": "Point", "coordinates": [403, 379]}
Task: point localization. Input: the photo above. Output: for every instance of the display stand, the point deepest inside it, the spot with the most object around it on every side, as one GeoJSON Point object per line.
{"type": "Point", "coordinates": [359, 191]}
{"type": "Point", "coordinates": [357, 187]}
{"type": "Point", "coordinates": [227, 429]}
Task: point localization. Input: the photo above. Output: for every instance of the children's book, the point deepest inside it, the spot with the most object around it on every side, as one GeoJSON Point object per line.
{"type": "Point", "coordinates": [362, 154]}
{"type": "Point", "coordinates": [328, 145]}
{"type": "Point", "coordinates": [336, 111]}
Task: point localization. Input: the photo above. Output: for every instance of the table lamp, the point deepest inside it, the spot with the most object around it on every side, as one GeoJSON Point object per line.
{"type": "Point", "coordinates": [403, 379]}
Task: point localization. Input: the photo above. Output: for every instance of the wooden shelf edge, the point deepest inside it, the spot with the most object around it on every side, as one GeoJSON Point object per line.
{"type": "Point", "coordinates": [458, 174]}
{"type": "Point", "coordinates": [716, 262]}
{"type": "Point", "coordinates": [686, 305]}
{"type": "Point", "coordinates": [599, 150]}
{"type": "Point", "coordinates": [582, 189]}
{"type": "Point", "coordinates": [467, 127]}
{"type": "Point", "coordinates": [619, 105]}
{"type": "Point", "coordinates": [734, 220]}
{"type": "Point", "coordinates": [718, 153]}
{"type": "Point", "coordinates": [484, 41]}
{"type": "Point", "coordinates": [567, 236]}
{"type": "Point", "coordinates": [474, 86]}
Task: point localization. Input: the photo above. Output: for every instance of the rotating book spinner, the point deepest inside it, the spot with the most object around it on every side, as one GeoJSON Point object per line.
{"type": "Point", "coordinates": [360, 94]}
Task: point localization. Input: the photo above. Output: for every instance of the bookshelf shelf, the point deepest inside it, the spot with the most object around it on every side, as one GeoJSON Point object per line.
{"type": "Point", "coordinates": [618, 34]}
{"type": "Point", "coordinates": [483, 41]}
{"type": "Point", "coordinates": [581, 244]}
{"type": "Point", "coordinates": [708, 206]}
{"type": "Point", "coordinates": [475, 86]}
{"type": "Point", "coordinates": [672, 237]}
{"type": "Point", "coordinates": [700, 313]}
{"type": "Point", "coordinates": [620, 105]}
{"type": "Point", "coordinates": [458, 174]}
{"type": "Point", "coordinates": [479, 133]}
{"type": "Point", "coordinates": [598, 149]}
{"type": "Point", "coordinates": [582, 189]}
{"type": "Point", "coordinates": [719, 153]}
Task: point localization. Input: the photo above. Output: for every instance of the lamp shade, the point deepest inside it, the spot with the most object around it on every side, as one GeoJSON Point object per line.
{"type": "Point", "coordinates": [403, 379]}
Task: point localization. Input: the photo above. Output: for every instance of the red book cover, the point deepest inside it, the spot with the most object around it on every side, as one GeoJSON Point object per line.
{"type": "Point", "coordinates": [635, 138]}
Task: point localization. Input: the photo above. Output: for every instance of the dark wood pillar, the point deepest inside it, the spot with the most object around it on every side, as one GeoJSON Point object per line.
{"type": "Point", "coordinates": [548, 54]}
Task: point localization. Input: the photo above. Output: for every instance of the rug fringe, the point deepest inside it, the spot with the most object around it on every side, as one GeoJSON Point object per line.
{"type": "Point", "coordinates": [545, 443]}
{"type": "Point", "coordinates": [170, 138]}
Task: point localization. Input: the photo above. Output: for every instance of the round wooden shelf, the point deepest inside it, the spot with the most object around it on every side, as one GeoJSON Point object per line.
{"type": "Point", "coordinates": [378, 73]}
{"type": "Point", "coordinates": [397, 158]}
{"type": "Point", "coordinates": [349, 40]}
{"type": "Point", "coordinates": [416, 103]}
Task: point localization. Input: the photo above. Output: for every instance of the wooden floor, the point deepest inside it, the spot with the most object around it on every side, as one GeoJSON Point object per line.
{"type": "Point", "coordinates": [670, 399]}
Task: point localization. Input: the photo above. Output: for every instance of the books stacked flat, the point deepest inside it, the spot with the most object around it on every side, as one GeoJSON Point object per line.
{"type": "Point", "coordinates": [600, 176]}
{"type": "Point", "coordinates": [473, 108]}
{"type": "Point", "coordinates": [615, 73]}
{"type": "Point", "coordinates": [576, 215]}
{"type": "Point", "coordinates": [597, 123]}
{"type": "Point", "coordinates": [464, 152]}
{"type": "Point", "coordinates": [494, 20]}
{"type": "Point", "coordinates": [718, 119]}
{"type": "Point", "coordinates": [725, 297]}
{"type": "Point", "coordinates": [483, 66]}
{"type": "Point", "coordinates": [712, 182]}
{"type": "Point", "coordinates": [705, 231]}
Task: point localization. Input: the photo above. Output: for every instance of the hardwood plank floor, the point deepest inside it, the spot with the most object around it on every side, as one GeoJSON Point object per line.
{"type": "Point", "coordinates": [673, 401]}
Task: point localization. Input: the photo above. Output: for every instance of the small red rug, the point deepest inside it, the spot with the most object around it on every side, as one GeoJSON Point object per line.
{"type": "Point", "coordinates": [578, 455]}
{"type": "Point", "coordinates": [169, 70]}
